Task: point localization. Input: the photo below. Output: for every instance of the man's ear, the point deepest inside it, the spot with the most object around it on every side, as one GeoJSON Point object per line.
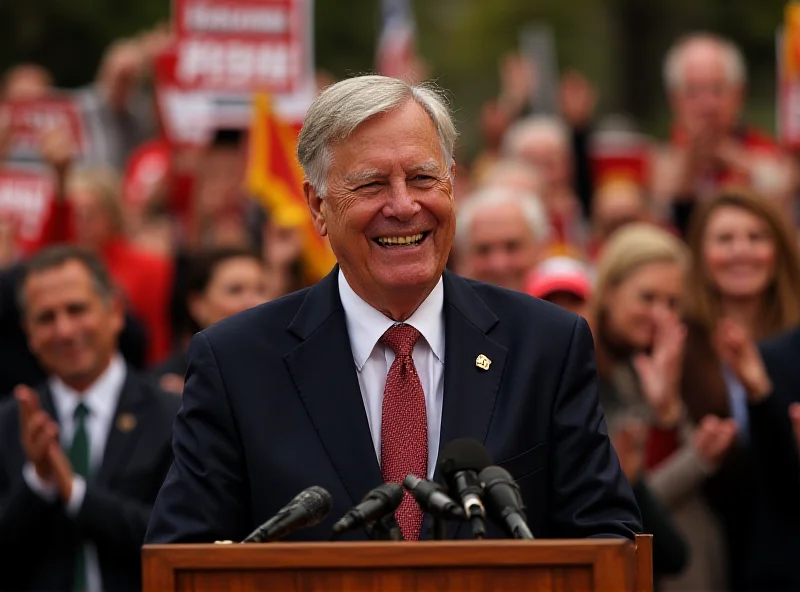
{"type": "Point", "coordinates": [315, 205]}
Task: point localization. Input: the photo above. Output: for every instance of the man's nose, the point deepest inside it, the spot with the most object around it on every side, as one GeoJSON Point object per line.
{"type": "Point", "coordinates": [499, 260]}
{"type": "Point", "coordinates": [64, 327]}
{"type": "Point", "coordinates": [401, 203]}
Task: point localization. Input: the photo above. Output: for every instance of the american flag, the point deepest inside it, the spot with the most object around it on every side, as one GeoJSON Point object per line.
{"type": "Point", "coordinates": [396, 52]}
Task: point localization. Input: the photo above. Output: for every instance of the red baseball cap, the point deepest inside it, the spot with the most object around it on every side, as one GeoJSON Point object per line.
{"type": "Point", "coordinates": [560, 274]}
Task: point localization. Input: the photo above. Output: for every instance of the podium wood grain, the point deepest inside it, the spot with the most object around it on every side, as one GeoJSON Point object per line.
{"type": "Point", "coordinates": [469, 566]}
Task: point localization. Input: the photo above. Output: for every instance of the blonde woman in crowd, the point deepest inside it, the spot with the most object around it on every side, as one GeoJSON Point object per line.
{"type": "Point", "coordinates": [639, 341]}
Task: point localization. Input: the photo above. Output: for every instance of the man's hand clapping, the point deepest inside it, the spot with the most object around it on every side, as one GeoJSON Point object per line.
{"type": "Point", "coordinates": [39, 434]}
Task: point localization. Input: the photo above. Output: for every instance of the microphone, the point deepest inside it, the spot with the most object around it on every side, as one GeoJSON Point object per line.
{"type": "Point", "coordinates": [308, 508]}
{"type": "Point", "coordinates": [432, 499]}
{"type": "Point", "coordinates": [461, 460]}
{"type": "Point", "coordinates": [378, 503]}
{"type": "Point", "coordinates": [504, 501]}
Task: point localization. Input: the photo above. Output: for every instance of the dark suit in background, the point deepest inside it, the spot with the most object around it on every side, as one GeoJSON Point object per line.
{"type": "Point", "coordinates": [272, 405]}
{"type": "Point", "coordinates": [38, 539]}
{"type": "Point", "coordinates": [775, 546]}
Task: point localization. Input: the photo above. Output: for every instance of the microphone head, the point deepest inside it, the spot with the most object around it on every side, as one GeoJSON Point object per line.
{"type": "Point", "coordinates": [391, 492]}
{"type": "Point", "coordinates": [500, 489]}
{"type": "Point", "coordinates": [463, 454]}
{"type": "Point", "coordinates": [493, 474]}
{"type": "Point", "coordinates": [317, 502]}
{"type": "Point", "coordinates": [411, 481]}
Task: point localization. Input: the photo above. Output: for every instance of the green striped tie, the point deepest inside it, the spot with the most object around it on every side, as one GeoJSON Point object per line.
{"type": "Point", "coordinates": [79, 457]}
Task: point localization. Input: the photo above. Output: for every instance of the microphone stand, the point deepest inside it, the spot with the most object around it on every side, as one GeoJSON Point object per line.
{"type": "Point", "coordinates": [439, 528]}
{"type": "Point", "coordinates": [385, 529]}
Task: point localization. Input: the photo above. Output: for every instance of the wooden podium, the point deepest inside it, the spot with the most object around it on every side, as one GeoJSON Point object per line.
{"type": "Point", "coordinates": [465, 566]}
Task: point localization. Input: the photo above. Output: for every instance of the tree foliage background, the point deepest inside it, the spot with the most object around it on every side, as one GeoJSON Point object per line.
{"type": "Point", "coordinates": [619, 44]}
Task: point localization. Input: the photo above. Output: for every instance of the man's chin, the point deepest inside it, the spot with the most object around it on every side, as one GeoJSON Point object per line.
{"type": "Point", "coordinates": [407, 277]}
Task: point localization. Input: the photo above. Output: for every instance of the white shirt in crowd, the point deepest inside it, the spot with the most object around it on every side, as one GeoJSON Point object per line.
{"type": "Point", "coordinates": [101, 399]}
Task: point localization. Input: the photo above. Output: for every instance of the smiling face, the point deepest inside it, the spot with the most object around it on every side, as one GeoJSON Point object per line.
{"type": "Point", "coordinates": [389, 211]}
{"type": "Point", "coordinates": [739, 253]}
{"type": "Point", "coordinates": [71, 329]}
{"type": "Point", "coordinates": [634, 305]}
{"type": "Point", "coordinates": [236, 284]}
{"type": "Point", "coordinates": [501, 248]}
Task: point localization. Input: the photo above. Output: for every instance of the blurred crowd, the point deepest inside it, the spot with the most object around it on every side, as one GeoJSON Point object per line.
{"type": "Point", "coordinates": [681, 252]}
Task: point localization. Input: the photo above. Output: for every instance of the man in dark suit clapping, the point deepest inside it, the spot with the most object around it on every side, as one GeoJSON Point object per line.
{"type": "Point", "coordinates": [83, 456]}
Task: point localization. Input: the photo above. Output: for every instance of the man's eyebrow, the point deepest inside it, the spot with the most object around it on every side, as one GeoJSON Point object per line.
{"type": "Point", "coordinates": [426, 167]}
{"type": "Point", "coordinates": [368, 175]}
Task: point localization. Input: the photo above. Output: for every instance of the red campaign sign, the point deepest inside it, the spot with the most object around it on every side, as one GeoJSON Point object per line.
{"type": "Point", "coordinates": [242, 45]}
{"type": "Point", "coordinates": [30, 118]}
{"type": "Point", "coordinates": [25, 198]}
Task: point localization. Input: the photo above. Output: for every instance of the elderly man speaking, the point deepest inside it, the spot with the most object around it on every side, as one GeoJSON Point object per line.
{"type": "Point", "coordinates": [361, 379]}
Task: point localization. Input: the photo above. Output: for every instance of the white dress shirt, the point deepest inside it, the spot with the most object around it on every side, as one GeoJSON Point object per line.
{"type": "Point", "coordinates": [101, 399]}
{"type": "Point", "coordinates": [365, 326]}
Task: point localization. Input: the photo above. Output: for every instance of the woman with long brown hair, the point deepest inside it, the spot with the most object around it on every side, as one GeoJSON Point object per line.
{"type": "Point", "coordinates": [746, 271]}
{"type": "Point", "coordinates": [639, 343]}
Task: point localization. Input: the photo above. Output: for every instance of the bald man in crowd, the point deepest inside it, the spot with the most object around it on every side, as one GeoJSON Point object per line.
{"type": "Point", "coordinates": [501, 234]}
{"type": "Point", "coordinates": [710, 146]}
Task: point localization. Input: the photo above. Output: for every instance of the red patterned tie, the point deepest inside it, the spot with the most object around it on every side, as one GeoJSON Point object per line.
{"type": "Point", "coordinates": [404, 425]}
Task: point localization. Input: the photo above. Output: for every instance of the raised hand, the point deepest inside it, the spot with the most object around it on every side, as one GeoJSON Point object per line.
{"type": "Point", "coordinates": [577, 99]}
{"type": "Point", "coordinates": [38, 431]}
{"type": "Point", "coordinates": [518, 82]}
{"type": "Point", "coordinates": [628, 441]}
{"type": "Point", "coordinates": [794, 415]}
{"type": "Point", "coordinates": [736, 349]}
{"type": "Point", "coordinates": [660, 372]}
{"type": "Point", "coordinates": [713, 438]}
{"type": "Point", "coordinates": [57, 147]}
{"type": "Point", "coordinates": [39, 434]}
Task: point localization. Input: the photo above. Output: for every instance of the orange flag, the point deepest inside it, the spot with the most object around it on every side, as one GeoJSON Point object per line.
{"type": "Point", "coordinates": [274, 177]}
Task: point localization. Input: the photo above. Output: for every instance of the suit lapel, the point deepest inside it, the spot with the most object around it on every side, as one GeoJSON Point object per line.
{"type": "Point", "coordinates": [470, 392]}
{"type": "Point", "coordinates": [324, 374]}
{"type": "Point", "coordinates": [126, 425]}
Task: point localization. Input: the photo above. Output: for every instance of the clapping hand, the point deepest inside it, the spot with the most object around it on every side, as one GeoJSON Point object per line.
{"type": "Point", "coordinates": [713, 438]}
{"type": "Point", "coordinates": [57, 147]}
{"type": "Point", "coordinates": [39, 433]}
{"type": "Point", "coordinates": [577, 99]}
{"type": "Point", "coordinates": [739, 352]}
{"type": "Point", "coordinates": [794, 415]}
{"type": "Point", "coordinates": [628, 441]}
{"type": "Point", "coordinates": [660, 372]}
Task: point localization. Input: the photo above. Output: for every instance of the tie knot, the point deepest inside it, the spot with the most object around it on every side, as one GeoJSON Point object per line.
{"type": "Point", "coordinates": [81, 411]}
{"type": "Point", "coordinates": [401, 338]}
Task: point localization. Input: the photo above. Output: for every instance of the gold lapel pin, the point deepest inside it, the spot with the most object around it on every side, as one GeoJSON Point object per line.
{"type": "Point", "coordinates": [483, 362]}
{"type": "Point", "coordinates": [126, 422]}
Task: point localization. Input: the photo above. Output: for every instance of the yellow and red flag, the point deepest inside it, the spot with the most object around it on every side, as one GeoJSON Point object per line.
{"type": "Point", "coordinates": [275, 178]}
{"type": "Point", "coordinates": [791, 40]}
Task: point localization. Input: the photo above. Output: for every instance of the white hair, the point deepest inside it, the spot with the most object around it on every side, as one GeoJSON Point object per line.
{"type": "Point", "coordinates": [531, 128]}
{"type": "Point", "coordinates": [342, 107]}
{"type": "Point", "coordinates": [492, 196]}
{"type": "Point", "coordinates": [735, 67]}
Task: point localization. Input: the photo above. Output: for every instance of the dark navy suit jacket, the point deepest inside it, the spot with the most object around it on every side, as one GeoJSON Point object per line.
{"type": "Point", "coordinates": [775, 537]}
{"type": "Point", "coordinates": [272, 405]}
{"type": "Point", "coordinates": [38, 540]}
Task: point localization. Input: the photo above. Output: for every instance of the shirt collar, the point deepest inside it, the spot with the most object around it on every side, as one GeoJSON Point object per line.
{"type": "Point", "coordinates": [366, 325]}
{"type": "Point", "coordinates": [101, 397]}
